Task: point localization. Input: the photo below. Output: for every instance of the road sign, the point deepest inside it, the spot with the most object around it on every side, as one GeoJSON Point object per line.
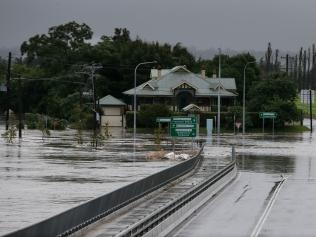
{"type": "Point", "coordinates": [163, 119]}
{"type": "Point", "coordinates": [183, 120]}
{"type": "Point", "coordinates": [183, 127]}
{"type": "Point", "coordinates": [265, 115]}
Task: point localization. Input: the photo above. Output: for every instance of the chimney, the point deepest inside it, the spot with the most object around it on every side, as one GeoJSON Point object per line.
{"type": "Point", "coordinates": [159, 72]}
{"type": "Point", "coordinates": [203, 72]}
{"type": "Point", "coordinates": [214, 75]}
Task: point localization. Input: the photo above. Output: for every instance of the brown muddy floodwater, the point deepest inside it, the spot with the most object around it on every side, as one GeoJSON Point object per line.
{"type": "Point", "coordinates": [42, 177]}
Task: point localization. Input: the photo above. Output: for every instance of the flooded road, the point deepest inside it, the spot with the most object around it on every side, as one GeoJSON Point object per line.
{"type": "Point", "coordinates": [42, 177]}
{"type": "Point", "coordinates": [251, 205]}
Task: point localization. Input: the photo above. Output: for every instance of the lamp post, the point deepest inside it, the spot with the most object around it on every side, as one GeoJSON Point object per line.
{"type": "Point", "coordinates": [219, 95]}
{"type": "Point", "coordinates": [244, 99]}
{"type": "Point", "coordinates": [135, 76]}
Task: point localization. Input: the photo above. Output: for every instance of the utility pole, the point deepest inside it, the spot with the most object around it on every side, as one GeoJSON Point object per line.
{"type": "Point", "coordinates": [90, 70]}
{"type": "Point", "coordinates": [304, 70]}
{"type": "Point", "coordinates": [93, 69]}
{"type": "Point", "coordinates": [310, 110]}
{"type": "Point", "coordinates": [20, 107]}
{"type": "Point", "coordinates": [314, 55]}
{"type": "Point", "coordinates": [310, 102]}
{"type": "Point", "coordinates": [94, 102]}
{"type": "Point", "coordinates": [287, 64]}
{"type": "Point", "coordinates": [218, 95]}
{"type": "Point", "coordinates": [8, 92]}
{"type": "Point", "coordinates": [295, 69]}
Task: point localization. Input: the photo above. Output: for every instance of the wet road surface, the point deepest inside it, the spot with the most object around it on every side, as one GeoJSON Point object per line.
{"type": "Point", "coordinates": [234, 211]}
{"type": "Point", "coordinates": [238, 210]}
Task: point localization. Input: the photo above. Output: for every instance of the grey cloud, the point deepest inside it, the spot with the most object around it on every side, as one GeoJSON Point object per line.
{"type": "Point", "coordinates": [236, 24]}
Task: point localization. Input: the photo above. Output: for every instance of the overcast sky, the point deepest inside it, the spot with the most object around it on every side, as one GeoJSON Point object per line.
{"type": "Point", "coordinates": [235, 24]}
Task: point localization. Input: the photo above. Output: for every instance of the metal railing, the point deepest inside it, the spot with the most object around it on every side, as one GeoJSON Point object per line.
{"type": "Point", "coordinates": [81, 216]}
{"type": "Point", "coordinates": [151, 221]}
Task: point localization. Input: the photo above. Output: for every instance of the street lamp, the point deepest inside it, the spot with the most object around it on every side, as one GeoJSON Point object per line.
{"type": "Point", "coordinates": [135, 75]}
{"type": "Point", "coordinates": [244, 99]}
{"type": "Point", "coordinates": [219, 95]}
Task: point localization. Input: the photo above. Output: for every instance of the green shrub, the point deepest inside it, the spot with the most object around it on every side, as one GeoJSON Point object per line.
{"type": "Point", "coordinates": [148, 114]}
{"type": "Point", "coordinates": [38, 121]}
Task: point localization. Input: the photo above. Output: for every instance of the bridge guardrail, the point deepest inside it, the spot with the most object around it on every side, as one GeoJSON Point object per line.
{"type": "Point", "coordinates": [81, 216]}
{"type": "Point", "coordinates": [160, 215]}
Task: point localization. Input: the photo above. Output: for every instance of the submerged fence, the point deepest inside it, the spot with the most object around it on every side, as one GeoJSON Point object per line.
{"type": "Point", "coordinates": [78, 217]}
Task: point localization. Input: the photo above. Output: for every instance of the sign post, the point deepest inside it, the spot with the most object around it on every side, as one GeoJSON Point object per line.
{"type": "Point", "coordinates": [183, 127]}
{"type": "Point", "coordinates": [209, 127]}
{"type": "Point", "coordinates": [268, 115]}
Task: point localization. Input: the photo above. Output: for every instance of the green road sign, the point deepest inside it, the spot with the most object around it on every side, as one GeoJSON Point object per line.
{"type": "Point", "coordinates": [163, 119]}
{"type": "Point", "coordinates": [183, 127]}
{"type": "Point", "coordinates": [183, 120]}
{"type": "Point", "coordinates": [271, 115]}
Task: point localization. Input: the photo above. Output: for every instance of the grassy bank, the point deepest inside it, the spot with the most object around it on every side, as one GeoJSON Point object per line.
{"type": "Point", "coordinates": [287, 129]}
{"type": "Point", "coordinates": [305, 108]}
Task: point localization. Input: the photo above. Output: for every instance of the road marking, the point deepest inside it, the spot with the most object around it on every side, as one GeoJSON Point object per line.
{"type": "Point", "coordinates": [266, 212]}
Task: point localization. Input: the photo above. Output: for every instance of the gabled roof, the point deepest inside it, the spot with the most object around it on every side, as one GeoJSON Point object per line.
{"type": "Point", "coordinates": [191, 107]}
{"type": "Point", "coordinates": [148, 86]}
{"type": "Point", "coordinates": [184, 83]}
{"type": "Point", "coordinates": [110, 100]}
{"type": "Point", "coordinates": [165, 85]}
{"type": "Point", "coordinates": [227, 83]}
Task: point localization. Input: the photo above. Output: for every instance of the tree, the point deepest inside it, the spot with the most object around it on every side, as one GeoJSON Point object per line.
{"type": "Point", "coordinates": [61, 46]}
{"type": "Point", "coordinates": [276, 93]}
{"type": "Point", "coordinates": [233, 67]}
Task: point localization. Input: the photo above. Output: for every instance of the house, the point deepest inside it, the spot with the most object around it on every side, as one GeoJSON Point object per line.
{"type": "Point", "coordinates": [178, 87]}
{"type": "Point", "coordinates": [112, 112]}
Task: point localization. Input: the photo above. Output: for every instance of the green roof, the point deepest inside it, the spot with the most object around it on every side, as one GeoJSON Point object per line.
{"type": "Point", "coordinates": [110, 100]}
{"type": "Point", "coordinates": [165, 85]}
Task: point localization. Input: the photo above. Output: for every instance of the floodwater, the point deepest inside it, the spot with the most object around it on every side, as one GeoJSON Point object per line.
{"type": "Point", "coordinates": [42, 177]}
{"type": "Point", "coordinates": [252, 205]}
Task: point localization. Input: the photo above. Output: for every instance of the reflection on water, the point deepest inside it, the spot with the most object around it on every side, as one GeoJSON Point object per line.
{"type": "Point", "coordinates": [266, 164]}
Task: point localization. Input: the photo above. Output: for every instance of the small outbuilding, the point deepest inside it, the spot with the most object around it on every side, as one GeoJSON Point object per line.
{"type": "Point", "coordinates": [112, 112]}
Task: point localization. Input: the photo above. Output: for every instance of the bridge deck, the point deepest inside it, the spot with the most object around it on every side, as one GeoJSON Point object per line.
{"type": "Point", "coordinates": [238, 207]}
{"type": "Point", "coordinates": [153, 202]}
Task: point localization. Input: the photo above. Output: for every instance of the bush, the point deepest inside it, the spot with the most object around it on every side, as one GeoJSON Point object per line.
{"type": "Point", "coordinates": [148, 114]}
{"type": "Point", "coordinates": [31, 120]}
{"type": "Point", "coordinates": [38, 121]}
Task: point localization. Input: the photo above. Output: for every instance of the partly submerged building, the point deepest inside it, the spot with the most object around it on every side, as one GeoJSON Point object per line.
{"type": "Point", "coordinates": [178, 87]}
{"type": "Point", "coordinates": [112, 112]}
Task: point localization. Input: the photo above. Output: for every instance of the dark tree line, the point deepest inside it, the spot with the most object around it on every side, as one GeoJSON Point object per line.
{"type": "Point", "coordinates": [51, 64]}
